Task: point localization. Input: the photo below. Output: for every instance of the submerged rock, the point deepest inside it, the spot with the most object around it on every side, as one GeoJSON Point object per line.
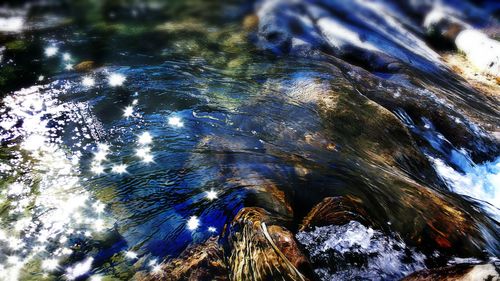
{"type": "Point", "coordinates": [85, 66]}
{"type": "Point", "coordinates": [198, 262]}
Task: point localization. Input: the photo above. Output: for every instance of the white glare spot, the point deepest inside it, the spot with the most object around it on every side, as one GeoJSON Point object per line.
{"type": "Point", "coordinates": [51, 51]}
{"type": "Point", "coordinates": [103, 147]}
{"type": "Point", "coordinates": [156, 269]}
{"type": "Point", "coordinates": [12, 24]}
{"type": "Point", "coordinates": [41, 77]}
{"type": "Point", "coordinates": [134, 102]}
{"type": "Point", "coordinates": [96, 278]}
{"type": "Point", "coordinates": [88, 81]}
{"type": "Point", "coordinates": [66, 56]}
{"type": "Point", "coordinates": [145, 138]}
{"type": "Point", "coordinates": [193, 223]}
{"type": "Point", "coordinates": [119, 169]}
{"type": "Point", "coordinates": [50, 264]}
{"type": "Point", "coordinates": [175, 122]}
{"type": "Point", "coordinates": [97, 169]}
{"type": "Point", "coordinates": [142, 152]}
{"type": "Point", "coordinates": [98, 225]}
{"type": "Point", "coordinates": [130, 255]}
{"type": "Point", "coordinates": [13, 260]}
{"type": "Point", "coordinates": [79, 269]}
{"type": "Point", "coordinates": [68, 66]}
{"type": "Point", "coordinates": [147, 158]}
{"type": "Point", "coordinates": [98, 207]}
{"type": "Point", "coordinates": [212, 229]}
{"type": "Point", "coordinates": [116, 79]}
{"type": "Point", "coordinates": [128, 111]}
{"type": "Point", "coordinates": [211, 195]}
{"type": "Point", "coordinates": [100, 155]}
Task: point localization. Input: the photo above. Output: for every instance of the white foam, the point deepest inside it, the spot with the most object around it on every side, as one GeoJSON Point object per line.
{"type": "Point", "coordinates": [481, 182]}
{"type": "Point", "coordinates": [343, 246]}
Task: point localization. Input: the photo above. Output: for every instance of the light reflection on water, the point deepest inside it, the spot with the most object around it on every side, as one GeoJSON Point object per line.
{"type": "Point", "coordinates": [132, 161]}
{"type": "Point", "coordinates": [48, 210]}
{"type": "Point", "coordinates": [119, 160]}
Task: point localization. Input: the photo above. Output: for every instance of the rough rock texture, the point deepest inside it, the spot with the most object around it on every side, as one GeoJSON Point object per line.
{"type": "Point", "coordinates": [264, 250]}
{"type": "Point", "coordinates": [336, 211]}
{"type": "Point", "coordinates": [197, 263]}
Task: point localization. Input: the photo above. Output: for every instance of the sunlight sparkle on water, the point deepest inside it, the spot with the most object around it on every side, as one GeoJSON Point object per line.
{"type": "Point", "coordinates": [175, 121]}
{"type": "Point", "coordinates": [211, 195]}
{"type": "Point", "coordinates": [128, 111]}
{"type": "Point", "coordinates": [50, 264]}
{"type": "Point", "coordinates": [130, 255]}
{"type": "Point", "coordinates": [147, 158]}
{"type": "Point", "coordinates": [98, 207]}
{"type": "Point", "coordinates": [145, 138]}
{"type": "Point", "coordinates": [156, 269]}
{"type": "Point", "coordinates": [79, 269]}
{"type": "Point", "coordinates": [193, 223]}
{"type": "Point", "coordinates": [51, 51]}
{"type": "Point", "coordinates": [142, 152]}
{"type": "Point", "coordinates": [96, 278]}
{"type": "Point", "coordinates": [88, 81]}
{"type": "Point", "coordinates": [100, 155]}
{"type": "Point", "coordinates": [103, 146]}
{"type": "Point", "coordinates": [66, 57]}
{"type": "Point", "coordinates": [97, 169]}
{"type": "Point", "coordinates": [119, 169]}
{"type": "Point", "coordinates": [212, 229]}
{"type": "Point", "coordinates": [116, 79]}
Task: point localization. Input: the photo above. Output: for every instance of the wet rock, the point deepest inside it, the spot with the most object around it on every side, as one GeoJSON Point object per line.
{"type": "Point", "coordinates": [353, 251]}
{"type": "Point", "coordinates": [460, 272]}
{"type": "Point", "coordinates": [262, 249]}
{"type": "Point", "coordinates": [197, 263]}
{"type": "Point", "coordinates": [336, 211]}
{"type": "Point", "coordinates": [486, 84]}
{"type": "Point", "coordinates": [262, 191]}
{"type": "Point", "coordinates": [85, 66]}
{"type": "Point", "coordinates": [251, 22]}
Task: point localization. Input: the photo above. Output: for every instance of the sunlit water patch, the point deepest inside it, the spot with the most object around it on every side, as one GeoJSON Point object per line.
{"type": "Point", "coordinates": [46, 211]}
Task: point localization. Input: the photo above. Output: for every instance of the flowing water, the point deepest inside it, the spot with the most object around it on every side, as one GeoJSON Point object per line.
{"type": "Point", "coordinates": [186, 117]}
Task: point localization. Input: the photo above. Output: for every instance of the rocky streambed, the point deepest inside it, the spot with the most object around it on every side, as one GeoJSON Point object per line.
{"type": "Point", "coordinates": [263, 140]}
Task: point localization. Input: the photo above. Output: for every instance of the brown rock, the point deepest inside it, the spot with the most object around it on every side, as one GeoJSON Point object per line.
{"type": "Point", "coordinates": [251, 22]}
{"type": "Point", "coordinates": [85, 66]}
{"type": "Point", "coordinates": [263, 250]}
{"type": "Point", "coordinates": [337, 211]}
{"type": "Point", "coordinates": [459, 272]}
{"type": "Point", "coordinates": [199, 262]}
